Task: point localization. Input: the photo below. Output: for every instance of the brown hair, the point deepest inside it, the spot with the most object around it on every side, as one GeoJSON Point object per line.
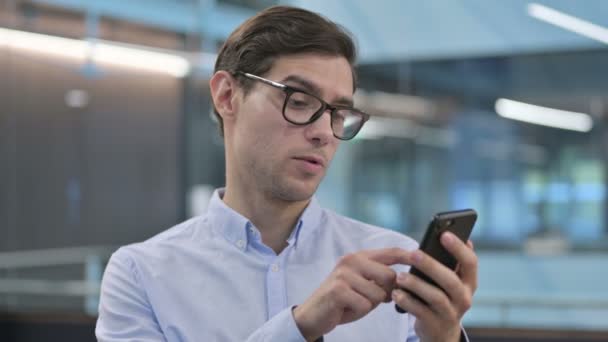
{"type": "Point", "coordinates": [278, 31]}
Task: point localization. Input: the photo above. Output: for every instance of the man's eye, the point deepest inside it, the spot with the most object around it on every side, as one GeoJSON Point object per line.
{"type": "Point", "coordinates": [303, 103]}
{"type": "Point", "coordinates": [298, 103]}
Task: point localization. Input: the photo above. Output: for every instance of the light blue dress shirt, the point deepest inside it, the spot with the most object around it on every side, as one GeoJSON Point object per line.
{"type": "Point", "coordinates": [212, 279]}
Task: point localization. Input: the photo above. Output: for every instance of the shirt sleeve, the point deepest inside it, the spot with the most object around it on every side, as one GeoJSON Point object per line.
{"type": "Point", "coordinates": [124, 310]}
{"type": "Point", "coordinates": [125, 313]}
{"type": "Point", "coordinates": [282, 327]}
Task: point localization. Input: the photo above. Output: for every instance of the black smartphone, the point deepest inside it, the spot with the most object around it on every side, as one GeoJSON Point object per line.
{"type": "Point", "coordinates": [459, 222]}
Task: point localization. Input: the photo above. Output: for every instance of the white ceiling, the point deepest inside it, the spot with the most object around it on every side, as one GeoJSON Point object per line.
{"type": "Point", "coordinates": [391, 30]}
{"type": "Point", "coordinates": [386, 30]}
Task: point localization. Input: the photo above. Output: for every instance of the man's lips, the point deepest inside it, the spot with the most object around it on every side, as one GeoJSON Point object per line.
{"type": "Point", "coordinates": [313, 159]}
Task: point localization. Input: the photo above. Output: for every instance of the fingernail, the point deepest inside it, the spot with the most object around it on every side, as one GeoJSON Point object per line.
{"type": "Point", "coordinates": [401, 277]}
{"type": "Point", "coordinates": [396, 294]}
{"type": "Point", "coordinates": [447, 238]}
{"type": "Point", "coordinates": [417, 256]}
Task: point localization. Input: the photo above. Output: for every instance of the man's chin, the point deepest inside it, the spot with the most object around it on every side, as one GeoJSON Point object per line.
{"type": "Point", "coordinates": [296, 191]}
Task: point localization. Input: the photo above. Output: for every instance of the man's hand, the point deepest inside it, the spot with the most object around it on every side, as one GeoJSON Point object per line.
{"type": "Point", "coordinates": [359, 282]}
{"type": "Point", "coordinates": [440, 320]}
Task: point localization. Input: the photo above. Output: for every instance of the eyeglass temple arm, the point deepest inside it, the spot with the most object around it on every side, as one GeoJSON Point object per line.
{"type": "Point", "coordinates": [261, 79]}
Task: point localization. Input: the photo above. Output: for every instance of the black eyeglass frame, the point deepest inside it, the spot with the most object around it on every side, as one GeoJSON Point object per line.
{"type": "Point", "coordinates": [324, 105]}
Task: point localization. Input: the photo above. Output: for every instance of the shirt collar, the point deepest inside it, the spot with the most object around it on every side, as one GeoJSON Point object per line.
{"type": "Point", "coordinates": [226, 221]}
{"type": "Point", "coordinates": [234, 226]}
{"type": "Point", "coordinates": [309, 222]}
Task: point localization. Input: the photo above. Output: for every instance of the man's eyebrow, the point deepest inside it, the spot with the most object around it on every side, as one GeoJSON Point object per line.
{"type": "Point", "coordinates": [309, 87]}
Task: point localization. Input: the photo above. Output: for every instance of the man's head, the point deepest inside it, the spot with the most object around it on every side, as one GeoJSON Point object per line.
{"type": "Point", "coordinates": [264, 150]}
{"type": "Point", "coordinates": [279, 31]}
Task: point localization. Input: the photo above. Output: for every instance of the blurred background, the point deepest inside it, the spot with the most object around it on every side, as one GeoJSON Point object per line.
{"type": "Point", "coordinates": [106, 138]}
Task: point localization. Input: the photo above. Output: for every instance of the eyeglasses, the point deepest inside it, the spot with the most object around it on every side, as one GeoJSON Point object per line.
{"type": "Point", "coordinates": [301, 108]}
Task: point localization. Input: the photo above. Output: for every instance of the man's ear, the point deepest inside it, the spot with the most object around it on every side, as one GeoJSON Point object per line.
{"type": "Point", "coordinates": [223, 91]}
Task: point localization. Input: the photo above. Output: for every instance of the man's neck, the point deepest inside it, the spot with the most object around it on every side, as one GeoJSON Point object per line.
{"type": "Point", "coordinates": [274, 218]}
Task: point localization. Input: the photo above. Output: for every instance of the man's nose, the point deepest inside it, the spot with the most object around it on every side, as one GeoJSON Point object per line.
{"type": "Point", "coordinates": [320, 131]}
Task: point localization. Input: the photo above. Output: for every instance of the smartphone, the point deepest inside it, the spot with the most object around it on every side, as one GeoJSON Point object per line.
{"type": "Point", "coordinates": [460, 223]}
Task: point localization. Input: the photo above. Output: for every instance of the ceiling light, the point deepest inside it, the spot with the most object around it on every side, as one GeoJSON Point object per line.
{"type": "Point", "coordinates": [102, 52]}
{"type": "Point", "coordinates": [544, 116]}
{"type": "Point", "coordinates": [568, 22]}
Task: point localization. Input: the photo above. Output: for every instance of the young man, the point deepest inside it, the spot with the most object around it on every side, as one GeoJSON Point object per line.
{"type": "Point", "coordinates": [266, 262]}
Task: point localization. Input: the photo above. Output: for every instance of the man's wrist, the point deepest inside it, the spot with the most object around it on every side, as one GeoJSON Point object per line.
{"type": "Point", "coordinates": [460, 337]}
{"type": "Point", "coordinates": [305, 332]}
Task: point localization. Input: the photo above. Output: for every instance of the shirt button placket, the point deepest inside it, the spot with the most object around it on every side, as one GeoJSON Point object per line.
{"type": "Point", "coordinates": [275, 288]}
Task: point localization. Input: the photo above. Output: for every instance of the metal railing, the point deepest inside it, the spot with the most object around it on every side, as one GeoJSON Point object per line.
{"type": "Point", "coordinates": [506, 305]}
{"type": "Point", "coordinates": [92, 260]}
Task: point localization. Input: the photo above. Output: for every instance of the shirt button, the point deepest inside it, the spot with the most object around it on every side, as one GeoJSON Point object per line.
{"type": "Point", "coordinates": [240, 243]}
{"type": "Point", "coordinates": [274, 268]}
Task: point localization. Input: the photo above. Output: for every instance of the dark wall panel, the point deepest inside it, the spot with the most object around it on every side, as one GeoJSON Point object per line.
{"type": "Point", "coordinates": [106, 173]}
{"type": "Point", "coordinates": [7, 154]}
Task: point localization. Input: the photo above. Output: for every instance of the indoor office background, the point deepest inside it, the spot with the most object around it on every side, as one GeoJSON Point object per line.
{"type": "Point", "coordinates": [106, 138]}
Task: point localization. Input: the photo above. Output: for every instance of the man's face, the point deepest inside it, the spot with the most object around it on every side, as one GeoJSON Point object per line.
{"type": "Point", "coordinates": [280, 159]}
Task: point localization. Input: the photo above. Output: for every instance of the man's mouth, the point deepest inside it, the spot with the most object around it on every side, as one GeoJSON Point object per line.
{"type": "Point", "coordinates": [311, 163]}
{"type": "Point", "coordinates": [315, 160]}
